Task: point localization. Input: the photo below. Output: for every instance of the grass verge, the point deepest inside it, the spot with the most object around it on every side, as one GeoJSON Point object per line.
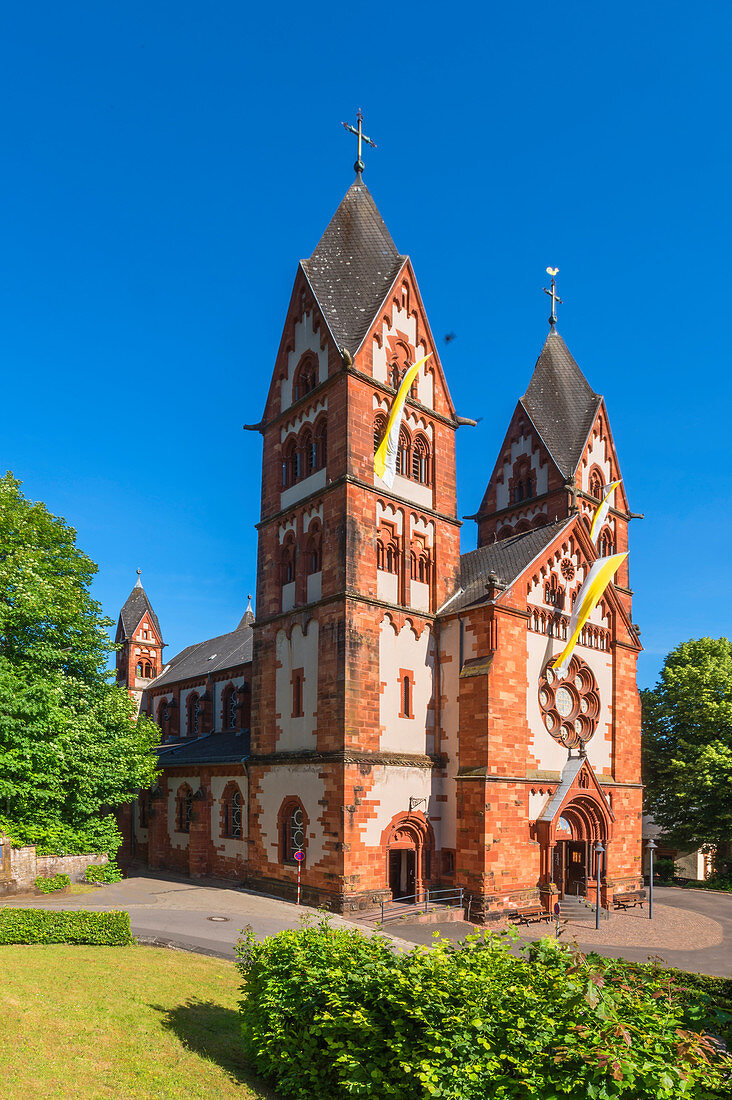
{"type": "Point", "coordinates": [112, 1023]}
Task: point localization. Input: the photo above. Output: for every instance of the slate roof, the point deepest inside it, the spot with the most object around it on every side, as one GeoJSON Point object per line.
{"type": "Point", "coordinates": [215, 748]}
{"type": "Point", "coordinates": [134, 608]}
{"type": "Point", "coordinates": [507, 559]}
{"type": "Point", "coordinates": [561, 404]}
{"type": "Point", "coordinates": [353, 267]}
{"type": "Point", "coordinates": [213, 655]}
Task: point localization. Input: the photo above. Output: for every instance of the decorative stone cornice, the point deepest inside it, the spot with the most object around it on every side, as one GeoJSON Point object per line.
{"type": "Point", "coordinates": [351, 756]}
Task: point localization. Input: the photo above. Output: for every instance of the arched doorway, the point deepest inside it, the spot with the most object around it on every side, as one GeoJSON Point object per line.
{"type": "Point", "coordinates": [568, 832]}
{"type": "Point", "coordinates": [408, 843]}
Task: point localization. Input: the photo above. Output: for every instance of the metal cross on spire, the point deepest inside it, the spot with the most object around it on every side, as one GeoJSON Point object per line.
{"type": "Point", "coordinates": [358, 132]}
{"type": "Point", "coordinates": [552, 292]}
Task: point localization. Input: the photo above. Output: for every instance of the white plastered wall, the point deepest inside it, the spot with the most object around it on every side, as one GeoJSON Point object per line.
{"type": "Point", "coordinates": [300, 650]}
{"type": "Point", "coordinates": [306, 339]}
{"type": "Point", "coordinates": [540, 647]}
{"type": "Point", "coordinates": [392, 789]}
{"type": "Point", "coordinates": [302, 781]}
{"type": "Point", "coordinates": [596, 454]}
{"type": "Point", "coordinates": [403, 650]}
{"type": "Point", "coordinates": [229, 846]}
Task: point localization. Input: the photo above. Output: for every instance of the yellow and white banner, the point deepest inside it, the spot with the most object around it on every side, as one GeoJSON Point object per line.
{"type": "Point", "coordinates": [386, 454]}
{"type": "Point", "coordinates": [588, 597]}
{"type": "Point", "coordinates": [603, 509]}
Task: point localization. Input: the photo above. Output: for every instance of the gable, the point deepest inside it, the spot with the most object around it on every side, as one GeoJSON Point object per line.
{"type": "Point", "coordinates": [599, 456]}
{"type": "Point", "coordinates": [399, 336]}
{"type": "Point", "coordinates": [522, 450]}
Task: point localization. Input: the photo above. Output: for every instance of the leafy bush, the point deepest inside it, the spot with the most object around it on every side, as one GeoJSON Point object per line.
{"type": "Point", "coordinates": [54, 838]}
{"type": "Point", "coordinates": [51, 883]}
{"type": "Point", "coordinates": [108, 872]}
{"type": "Point", "coordinates": [664, 869]}
{"type": "Point", "coordinates": [720, 882]}
{"type": "Point", "coordinates": [330, 1012]}
{"type": "Point", "coordinates": [44, 926]}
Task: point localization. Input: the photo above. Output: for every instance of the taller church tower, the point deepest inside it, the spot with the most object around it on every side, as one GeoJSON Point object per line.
{"type": "Point", "coordinates": [346, 755]}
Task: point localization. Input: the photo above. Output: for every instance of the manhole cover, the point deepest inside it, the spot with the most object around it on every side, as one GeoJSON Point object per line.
{"type": "Point", "coordinates": [217, 918]}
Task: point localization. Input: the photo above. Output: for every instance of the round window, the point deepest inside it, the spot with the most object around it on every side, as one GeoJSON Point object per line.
{"type": "Point", "coordinates": [562, 701]}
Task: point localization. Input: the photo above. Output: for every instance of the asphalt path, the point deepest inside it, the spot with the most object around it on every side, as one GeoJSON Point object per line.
{"type": "Point", "coordinates": [208, 917]}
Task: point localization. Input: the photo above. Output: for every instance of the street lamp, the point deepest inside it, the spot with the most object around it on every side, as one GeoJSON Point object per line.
{"type": "Point", "coordinates": [599, 850]}
{"type": "Point", "coordinates": [651, 845]}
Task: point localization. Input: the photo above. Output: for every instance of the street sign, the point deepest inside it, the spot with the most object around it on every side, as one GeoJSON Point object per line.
{"type": "Point", "coordinates": [556, 909]}
{"type": "Point", "coordinates": [299, 856]}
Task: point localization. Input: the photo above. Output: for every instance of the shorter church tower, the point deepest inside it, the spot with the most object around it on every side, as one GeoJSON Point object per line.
{"type": "Point", "coordinates": [140, 659]}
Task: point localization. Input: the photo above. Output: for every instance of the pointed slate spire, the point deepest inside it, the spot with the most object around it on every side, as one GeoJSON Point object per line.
{"type": "Point", "coordinates": [353, 267]}
{"type": "Point", "coordinates": [134, 608]}
{"type": "Point", "coordinates": [561, 403]}
{"type": "Point", "coordinates": [248, 617]}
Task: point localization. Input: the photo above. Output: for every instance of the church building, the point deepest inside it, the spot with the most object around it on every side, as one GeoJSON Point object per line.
{"type": "Point", "coordinates": [390, 719]}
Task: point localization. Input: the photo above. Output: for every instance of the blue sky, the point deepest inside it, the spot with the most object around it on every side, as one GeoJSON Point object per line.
{"type": "Point", "coordinates": [166, 165]}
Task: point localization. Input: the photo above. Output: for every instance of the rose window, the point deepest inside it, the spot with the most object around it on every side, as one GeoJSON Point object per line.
{"type": "Point", "coordinates": [570, 706]}
{"type": "Point", "coordinates": [566, 568]}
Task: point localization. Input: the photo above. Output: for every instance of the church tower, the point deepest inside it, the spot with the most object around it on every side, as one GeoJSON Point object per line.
{"type": "Point", "coordinates": [346, 765]}
{"type": "Point", "coordinates": [140, 659]}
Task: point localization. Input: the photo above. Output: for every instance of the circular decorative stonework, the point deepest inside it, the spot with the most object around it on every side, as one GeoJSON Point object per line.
{"type": "Point", "coordinates": [570, 706]}
{"type": "Point", "coordinates": [567, 569]}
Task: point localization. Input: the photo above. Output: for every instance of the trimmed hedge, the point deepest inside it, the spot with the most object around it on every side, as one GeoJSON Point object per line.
{"type": "Point", "coordinates": [329, 1013]}
{"type": "Point", "coordinates": [51, 883]}
{"type": "Point", "coordinates": [107, 872]}
{"type": "Point", "coordinates": [48, 926]}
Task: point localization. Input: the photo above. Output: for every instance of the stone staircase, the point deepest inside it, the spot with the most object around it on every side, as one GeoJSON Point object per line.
{"type": "Point", "coordinates": [578, 909]}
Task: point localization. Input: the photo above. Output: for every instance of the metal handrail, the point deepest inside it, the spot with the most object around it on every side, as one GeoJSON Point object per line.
{"type": "Point", "coordinates": [414, 906]}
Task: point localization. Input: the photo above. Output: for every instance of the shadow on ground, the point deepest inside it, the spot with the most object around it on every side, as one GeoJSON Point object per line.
{"type": "Point", "coordinates": [214, 1032]}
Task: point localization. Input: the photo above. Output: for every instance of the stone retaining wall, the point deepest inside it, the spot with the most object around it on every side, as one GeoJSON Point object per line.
{"type": "Point", "coordinates": [26, 866]}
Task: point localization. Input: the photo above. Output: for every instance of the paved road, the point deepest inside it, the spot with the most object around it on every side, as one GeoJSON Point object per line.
{"type": "Point", "coordinates": [173, 911]}
{"type": "Point", "coordinates": [707, 960]}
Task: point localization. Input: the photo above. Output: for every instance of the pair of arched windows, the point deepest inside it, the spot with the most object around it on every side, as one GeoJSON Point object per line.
{"type": "Point", "coordinates": [303, 455]}
{"type": "Point", "coordinates": [387, 554]}
{"type": "Point", "coordinates": [596, 484]}
{"type": "Point", "coordinates": [145, 670]}
{"type": "Point", "coordinates": [413, 454]}
{"type": "Point", "coordinates": [421, 565]}
{"type": "Point", "coordinates": [606, 544]}
{"type": "Point", "coordinates": [523, 485]}
{"type": "Point", "coordinates": [312, 557]}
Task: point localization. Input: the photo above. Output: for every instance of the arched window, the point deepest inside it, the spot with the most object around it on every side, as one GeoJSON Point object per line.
{"type": "Point", "coordinates": [230, 713]}
{"type": "Point", "coordinates": [380, 555]}
{"type": "Point", "coordinates": [232, 807]}
{"type": "Point", "coordinates": [287, 560]}
{"type": "Point", "coordinates": [596, 483]}
{"type": "Point", "coordinates": [320, 450]}
{"type": "Point", "coordinates": [395, 375]}
{"type": "Point", "coordinates": [307, 451]}
{"type": "Point", "coordinates": [163, 717]}
{"type": "Point", "coordinates": [379, 429]}
{"type": "Point", "coordinates": [290, 464]}
{"type": "Point", "coordinates": [305, 378]}
{"type": "Point", "coordinates": [392, 558]}
{"type": "Point", "coordinates": [421, 460]}
{"type": "Point", "coordinates": [138, 670]}
{"type": "Point", "coordinates": [194, 710]}
{"type": "Point", "coordinates": [314, 550]}
{"type": "Point", "coordinates": [607, 546]}
{"type": "Point", "coordinates": [407, 685]}
{"type": "Point", "coordinates": [292, 831]}
{"type": "Point", "coordinates": [404, 453]}
{"type": "Point", "coordinates": [183, 809]}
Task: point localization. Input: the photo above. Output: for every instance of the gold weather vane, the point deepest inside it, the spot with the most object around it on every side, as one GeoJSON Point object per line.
{"type": "Point", "coordinates": [552, 292]}
{"type": "Point", "coordinates": [360, 135]}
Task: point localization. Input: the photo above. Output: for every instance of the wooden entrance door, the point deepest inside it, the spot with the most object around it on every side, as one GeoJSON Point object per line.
{"type": "Point", "coordinates": [575, 868]}
{"type": "Point", "coordinates": [402, 872]}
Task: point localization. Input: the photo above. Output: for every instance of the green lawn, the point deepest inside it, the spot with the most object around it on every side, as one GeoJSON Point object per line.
{"type": "Point", "coordinates": [128, 1023]}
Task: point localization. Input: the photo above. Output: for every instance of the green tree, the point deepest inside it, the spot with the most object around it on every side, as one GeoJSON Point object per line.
{"type": "Point", "coordinates": [687, 740]}
{"type": "Point", "coordinates": [71, 748]}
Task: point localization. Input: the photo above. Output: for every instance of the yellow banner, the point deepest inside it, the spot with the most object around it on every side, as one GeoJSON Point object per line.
{"type": "Point", "coordinates": [386, 454]}
{"type": "Point", "coordinates": [588, 597]}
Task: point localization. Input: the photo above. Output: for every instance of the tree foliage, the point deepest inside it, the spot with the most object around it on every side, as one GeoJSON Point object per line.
{"type": "Point", "coordinates": [71, 749]}
{"type": "Point", "coordinates": [687, 736]}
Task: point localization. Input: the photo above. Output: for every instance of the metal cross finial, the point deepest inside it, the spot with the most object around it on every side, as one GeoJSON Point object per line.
{"type": "Point", "coordinates": [358, 131]}
{"type": "Point", "coordinates": [552, 292]}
